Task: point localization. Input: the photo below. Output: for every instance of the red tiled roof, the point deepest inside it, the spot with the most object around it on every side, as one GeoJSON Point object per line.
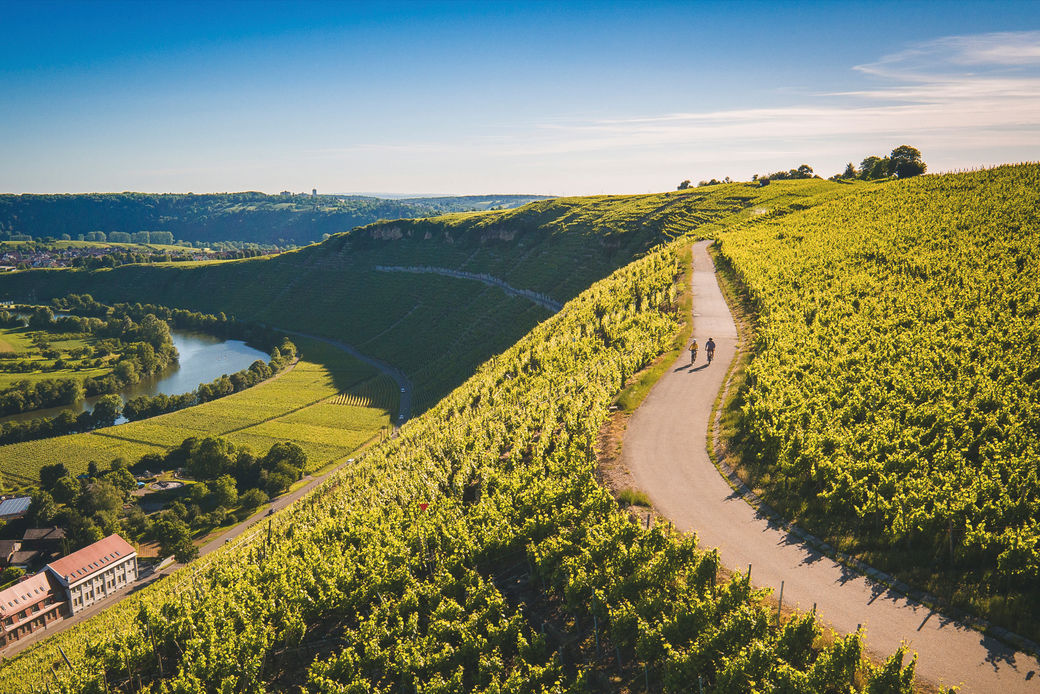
{"type": "Point", "coordinates": [92, 558]}
{"type": "Point", "coordinates": [28, 592]}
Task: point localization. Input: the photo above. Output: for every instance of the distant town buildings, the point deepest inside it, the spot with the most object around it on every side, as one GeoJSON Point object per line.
{"type": "Point", "coordinates": [66, 586]}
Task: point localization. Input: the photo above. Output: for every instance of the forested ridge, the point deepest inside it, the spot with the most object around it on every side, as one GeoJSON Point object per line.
{"type": "Point", "coordinates": [250, 217]}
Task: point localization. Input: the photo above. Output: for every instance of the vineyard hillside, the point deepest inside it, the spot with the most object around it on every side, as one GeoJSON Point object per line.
{"type": "Point", "coordinates": [893, 400]}
{"type": "Point", "coordinates": [476, 552]}
{"type": "Point", "coordinates": [436, 328]}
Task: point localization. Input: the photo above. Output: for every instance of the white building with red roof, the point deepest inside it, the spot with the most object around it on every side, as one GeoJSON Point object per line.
{"type": "Point", "coordinates": [95, 572]}
{"type": "Point", "coordinates": [29, 605]}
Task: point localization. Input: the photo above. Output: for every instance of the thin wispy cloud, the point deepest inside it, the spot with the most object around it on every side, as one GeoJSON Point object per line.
{"type": "Point", "coordinates": [966, 86]}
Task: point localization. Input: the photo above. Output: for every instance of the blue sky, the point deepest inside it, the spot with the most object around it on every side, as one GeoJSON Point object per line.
{"type": "Point", "coordinates": [560, 98]}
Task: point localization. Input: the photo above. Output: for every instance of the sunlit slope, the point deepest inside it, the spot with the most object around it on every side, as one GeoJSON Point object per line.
{"type": "Point", "coordinates": [476, 553]}
{"type": "Point", "coordinates": [894, 398]}
{"type": "Point", "coordinates": [436, 328]}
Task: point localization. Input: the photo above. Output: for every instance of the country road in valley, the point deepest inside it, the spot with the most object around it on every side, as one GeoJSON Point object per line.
{"type": "Point", "coordinates": [665, 449]}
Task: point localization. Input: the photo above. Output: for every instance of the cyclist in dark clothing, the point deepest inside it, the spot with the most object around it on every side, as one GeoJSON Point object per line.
{"type": "Point", "coordinates": [709, 347]}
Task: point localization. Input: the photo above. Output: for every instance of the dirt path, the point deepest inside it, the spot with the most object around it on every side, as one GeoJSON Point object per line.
{"type": "Point", "coordinates": [665, 448]}
{"type": "Point", "coordinates": [404, 409]}
{"type": "Point", "coordinates": [484, 278]}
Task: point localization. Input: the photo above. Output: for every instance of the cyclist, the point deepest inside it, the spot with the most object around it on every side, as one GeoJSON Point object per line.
{"type": "Point", "coordinates": [693, 351]}
{"type": "Point", "coordinates": [709, 348]}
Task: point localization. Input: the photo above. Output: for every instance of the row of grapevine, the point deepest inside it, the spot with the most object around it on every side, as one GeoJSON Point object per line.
{"type": "Point", "coordinates": [475, 552]}
{"type": "Point", "coordinates": [894, 394]}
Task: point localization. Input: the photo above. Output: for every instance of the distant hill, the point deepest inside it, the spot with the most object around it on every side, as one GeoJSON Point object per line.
{"type": "Point", "coordinates": [254, 217]}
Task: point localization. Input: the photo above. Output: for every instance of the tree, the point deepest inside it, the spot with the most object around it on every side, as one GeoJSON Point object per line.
{"type": "Point", "coordinates": [253, 498]}
{"type": "Point", "coordinates": [174, 538]}
{"type": "Point", "coordinates": [65, 490]}
{"type": "Point", "coordinates": [42, 510]}
{"type": "Point", "coordinates": [106, 410]}
{"type": "Point", "coordinates": [288, 453]}
{"type": "Point", "coordinates": [873, 168]}
{"type": "Point", "coordinates": [50, 474]}
{"type": "Point", "coordinates": [905, 161]}
{"type": "Point", "coordinates": [684, 185]}
{"type": "Point", "coordinates": [154, 331]}
{"type": "Point", "coordinates": [82, 531]}
{"type": "Point", "coordinates": [122, 479]}
{"type": "Point", "coordinates": [100, 497]}
{"type": "Point", "coordinates": [137, 523]}
{"type": "Point", "coordinates": [184, 551]}
{"type": "Point", "coordinates": [223, 492]}
{"type": "Point", "coordinates": [41, 319]}
{"type": "Point", "coordinates": [211, 458]}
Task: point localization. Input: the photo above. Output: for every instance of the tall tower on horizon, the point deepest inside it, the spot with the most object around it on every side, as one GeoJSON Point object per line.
{"type": "Point", "coordinates": [314, 192]}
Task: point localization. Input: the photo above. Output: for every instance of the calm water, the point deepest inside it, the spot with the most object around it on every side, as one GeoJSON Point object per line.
{"type": "Point", "coordinates": [203, 358]}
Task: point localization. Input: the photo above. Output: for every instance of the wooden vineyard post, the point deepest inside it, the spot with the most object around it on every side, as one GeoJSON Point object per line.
{"type": "Point", "coordinates": [780, 604]}
{"type": "Point", "coordinates": [595, 627]}
{"type": "Point", "coordinates": [65, 658]}
{"type": "Point", "coordinates": [155, 650]}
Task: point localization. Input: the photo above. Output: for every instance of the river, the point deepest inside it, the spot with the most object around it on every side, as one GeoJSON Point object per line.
{"type": "Point", "coordinates": [203, 358]}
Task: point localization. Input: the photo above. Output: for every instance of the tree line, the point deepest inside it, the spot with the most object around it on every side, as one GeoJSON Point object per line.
{"type": "Point", "coordinates": [141, 348]}
{"type": "Point", "coordinates": [227, 479]}
{"type": "Point", "coordinates": [903, 162]}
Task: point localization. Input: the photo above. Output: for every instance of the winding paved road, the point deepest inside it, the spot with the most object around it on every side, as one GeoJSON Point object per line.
{"type": "Point", "coordinates": [665, 448]}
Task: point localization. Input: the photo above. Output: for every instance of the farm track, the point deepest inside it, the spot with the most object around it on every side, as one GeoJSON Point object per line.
{"type": "Point", "coordinates": [404, 410]}
{"type": "Point", "coordinates": [540, 299]}
{"type": "Point", "coordinates": [665, 448]}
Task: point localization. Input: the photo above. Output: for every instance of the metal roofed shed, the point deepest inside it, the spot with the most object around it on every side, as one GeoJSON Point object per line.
{"type": "Point", "coordinates": [15, 508]}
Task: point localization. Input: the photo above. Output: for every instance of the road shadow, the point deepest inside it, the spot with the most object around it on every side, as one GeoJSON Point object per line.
{"type": "Point", "coordinates": [682, 368]}
{"type": "Point", "coordinates": [699, 368]}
